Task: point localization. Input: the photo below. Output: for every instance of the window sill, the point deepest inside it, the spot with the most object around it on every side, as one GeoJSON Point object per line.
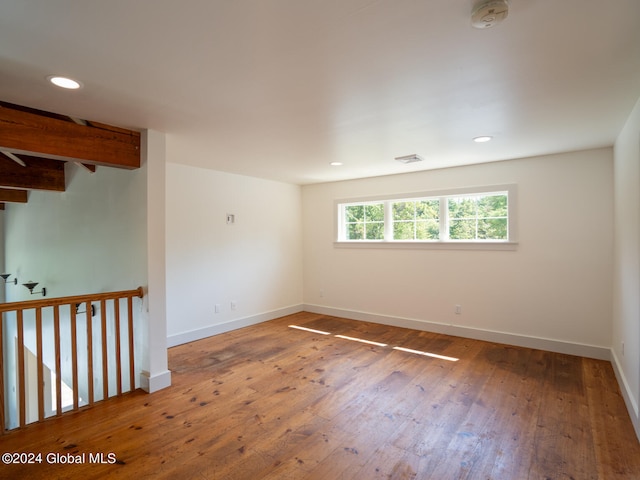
{"type": "Point", "coordinates": [503, 246]}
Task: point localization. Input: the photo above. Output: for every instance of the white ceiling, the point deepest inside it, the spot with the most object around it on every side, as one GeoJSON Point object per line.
{"type": "Point", "coordinates": [281, 88]}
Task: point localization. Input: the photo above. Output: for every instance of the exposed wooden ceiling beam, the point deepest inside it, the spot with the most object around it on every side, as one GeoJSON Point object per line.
{"type": "Point", "coordinates": [25, 131]}
{"type": "Point", "coordinates": [39, 173]}
{"type": "Point", "coordinates": [11, 195]}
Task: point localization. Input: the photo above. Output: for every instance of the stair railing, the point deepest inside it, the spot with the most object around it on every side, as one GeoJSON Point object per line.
{"type": "Point", "coordinates": [15, 312]}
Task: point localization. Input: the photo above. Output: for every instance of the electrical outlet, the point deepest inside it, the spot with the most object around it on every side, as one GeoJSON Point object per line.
{"type": "Point", "coordinates": [234, 305]}
{"type": "Point", "coordinates": [217, 308]}
{"type": "Point", "coordinates": [457, 309]}
{"type": "Point", "coordinates": [321, 293]}
{"type": "Point", "coordinates": [623, 349]}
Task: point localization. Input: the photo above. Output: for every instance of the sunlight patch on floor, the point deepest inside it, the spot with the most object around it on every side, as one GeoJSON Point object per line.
{"type": "Point", "coordinates": [353, 339]}
{"type": "Point", "coordinates": [378, 344]}
{"type": "Point", "coordinates": [427, 354]}
{"type": "Point", "coordinates": [309, 330]}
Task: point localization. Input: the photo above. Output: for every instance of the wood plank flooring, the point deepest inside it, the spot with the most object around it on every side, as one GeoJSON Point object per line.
{"type": "Point", "coordinates": [275, 402]}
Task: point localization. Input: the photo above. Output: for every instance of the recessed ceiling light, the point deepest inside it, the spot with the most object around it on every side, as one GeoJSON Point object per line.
{"type": "Point", "coordinates": [336, 164]}
{"type": "Point", "coordinates": [64, 82]}
{"type": "Point", "coordinates": [482, 139]}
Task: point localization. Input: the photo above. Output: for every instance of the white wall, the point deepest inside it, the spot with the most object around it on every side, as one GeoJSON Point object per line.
{"type": "Point", "coordinates": [553, 292]}
{"type": "Point", "coordinates": [626, 280]}
{"type": "Point", "coordinates": [156, 375]}
{"type": "Point", "coordinates": [90, 238]}
{"type": "Point", "coordinates": [256, 262]}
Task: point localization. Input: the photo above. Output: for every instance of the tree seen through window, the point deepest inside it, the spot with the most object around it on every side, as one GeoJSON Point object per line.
{"type": "Point", "coordinates": [478, 217]}
{"type": "Point", "coordinates": [365, 222]}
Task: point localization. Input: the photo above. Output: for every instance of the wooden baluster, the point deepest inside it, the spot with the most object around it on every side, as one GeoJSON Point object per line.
{"type": "Point", "coordinates": [105, 368]}
{"type": "Point", "coordinates": [3, 425]}
{"type": "Point", "coordinates": [132, 369]}
{"type": "Point", "coordinates": [74, 355]}
{"type": "Point", "coordinates": [40, 365]}
{"type": "Point", "coordinates": [116, 317]}
{"type": "Point", "coordinates": [21, 377]}
{"type": "Point", "coordinates": [55, 303]}
{"type": "Point", "coordinates": [56, 335]}
{"type": "Point", "coordinates": [89, 352]}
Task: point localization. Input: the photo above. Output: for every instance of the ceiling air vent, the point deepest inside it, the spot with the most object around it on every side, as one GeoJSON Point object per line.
{"type": "Point", "coordinates": [410, 158]}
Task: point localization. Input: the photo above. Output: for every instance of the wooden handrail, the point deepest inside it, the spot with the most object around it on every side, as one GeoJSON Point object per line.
{"type": "Point", "coordinates": [50, 302]}
{"type": "Point", "coordinates": [53, 307]}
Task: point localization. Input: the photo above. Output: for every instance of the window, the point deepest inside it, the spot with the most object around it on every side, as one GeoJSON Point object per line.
{"type": "Point", "coordinates": [484, 215]}
{"type": "Point", "coordinates": [478, 217]}
{"type": "Point", "coordinates": [416, 219]}
{"type": "Point", "coordinates": [364, 221]}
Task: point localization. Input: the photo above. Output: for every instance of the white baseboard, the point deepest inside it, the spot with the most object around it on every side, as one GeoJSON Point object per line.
{"type": "Point", "coordinates": [590, 351]}
{"type": "Point", "coordinates": [198, 334]}
{"type": "Point", "coordinates": [629, 399]}
{"type": "Point", "coordinates": [153, 383]}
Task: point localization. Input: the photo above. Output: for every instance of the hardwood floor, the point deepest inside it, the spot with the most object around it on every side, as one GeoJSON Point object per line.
{"type": "Point", "coordinates": [274, 402]}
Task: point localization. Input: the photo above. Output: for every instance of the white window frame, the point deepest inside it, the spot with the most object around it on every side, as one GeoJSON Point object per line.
{"type": "Point", "coordinates": [443, 242]}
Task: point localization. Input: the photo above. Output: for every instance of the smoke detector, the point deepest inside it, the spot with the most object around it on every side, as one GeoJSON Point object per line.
{"type": "Point", "coordinates": [488, 13]}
